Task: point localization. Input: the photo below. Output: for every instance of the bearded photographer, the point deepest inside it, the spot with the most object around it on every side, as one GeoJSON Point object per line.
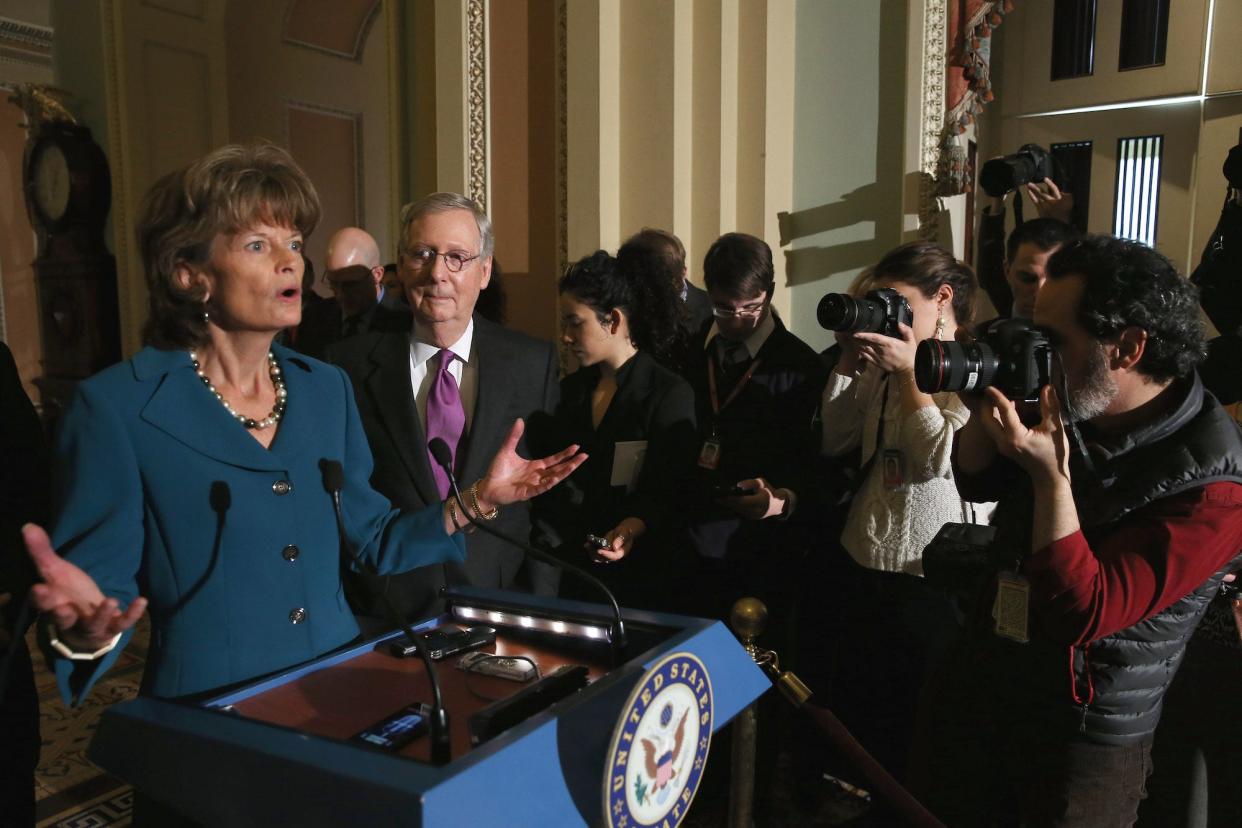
{"type": "Point", "coordinates": [1106, 558]}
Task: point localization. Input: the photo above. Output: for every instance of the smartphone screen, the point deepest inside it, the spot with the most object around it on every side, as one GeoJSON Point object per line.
{"type": "Point", "coordinates": [395, 731]}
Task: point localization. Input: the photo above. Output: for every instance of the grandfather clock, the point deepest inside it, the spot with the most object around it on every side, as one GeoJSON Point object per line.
{"type": "Point", "coordinates": [68, 194]}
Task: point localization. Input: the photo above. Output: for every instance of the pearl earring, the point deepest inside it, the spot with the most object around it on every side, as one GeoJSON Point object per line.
{"type": "Point", "coordinates": [940, 325]}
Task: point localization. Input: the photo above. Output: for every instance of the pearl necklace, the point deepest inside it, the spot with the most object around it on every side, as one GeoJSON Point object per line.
{"type": "Point", "coordinates": [278, 382]}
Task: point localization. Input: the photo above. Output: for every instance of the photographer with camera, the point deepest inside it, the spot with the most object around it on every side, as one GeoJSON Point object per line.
{"type": "Point", "coordinates": [1109, 547]}
{"type": "Point", "coordinates": [1011, 271]}
{"type": "Point", "coordinates": [892, 622]}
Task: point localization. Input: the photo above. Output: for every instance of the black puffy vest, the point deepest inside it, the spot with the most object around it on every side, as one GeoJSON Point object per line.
{"type": "Point", "coordinates": [1120, 680]}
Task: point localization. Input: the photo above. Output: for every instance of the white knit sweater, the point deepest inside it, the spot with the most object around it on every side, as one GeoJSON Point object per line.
{"type": "Point", "coordinates": [888, 528]}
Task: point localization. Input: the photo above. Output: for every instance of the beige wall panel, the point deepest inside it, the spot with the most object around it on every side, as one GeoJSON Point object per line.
{"type": "Point", "coordinates": [325, 144]}
{"type": "Point", "coordinates": [176, 107]}
{"type": "Point", "coordinates": [705, 221]}
{"type": "Point", "coordinates": [338, 26]}
{"type": "Point", "coordinates": [751, 125]}
{"type": "Point", "coordinates": [169, 105]}
{"type": "Point", "coordinates": [585, 164]}
{"type": "Point", "coordinates": [1221, 129]}
{"type": "Point", "coordinates": [778, 139]}
{"type": "Point", "coordinates": [1180, 127]}
{"type": "Point", "coordinates": [266, 75]}
{"type": "Point", "coordinates": [194, 9]}
{"type": "Point", "coordinates": [1028, 65]}
{"type": "Point", "coordinates": [1225, 55]}
{"type": "Point", "coordinates": [523, 160]}
{"type": "Point", "coordinates": [646, 115]}
{"type": "Point", "coordinates": [450, 26]}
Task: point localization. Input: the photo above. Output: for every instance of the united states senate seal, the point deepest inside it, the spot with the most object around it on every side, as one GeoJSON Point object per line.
{"type": "Point", "coordinates": [659, 747]}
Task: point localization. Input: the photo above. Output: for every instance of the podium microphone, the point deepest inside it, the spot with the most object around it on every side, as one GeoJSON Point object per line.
{"type": "Point", "coordinates": [441, 747]}
{"type": "Point", "coordinates": [616, 631]}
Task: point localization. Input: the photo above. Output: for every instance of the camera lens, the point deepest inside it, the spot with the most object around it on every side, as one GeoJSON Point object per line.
{"type": "Point", "coordinates": [952, 366]}
{"type": "Point", "coordinates": [842, 312]}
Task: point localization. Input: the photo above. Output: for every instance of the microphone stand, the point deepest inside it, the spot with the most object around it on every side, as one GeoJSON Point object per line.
{"type": "Point", "coordinates": [441, 746]}
{"type": "Point", "coordinates": [616, 630]}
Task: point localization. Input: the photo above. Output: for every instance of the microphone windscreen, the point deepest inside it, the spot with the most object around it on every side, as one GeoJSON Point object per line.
{"type": "Point", "coordinates": [440, 452]}
{"type": "Point", "coordinates": [333, 475]}
{"type": "Point", "coordinates": [221, 497]}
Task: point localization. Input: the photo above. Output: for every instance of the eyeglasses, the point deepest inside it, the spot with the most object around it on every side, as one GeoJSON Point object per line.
{"type": "Point", "coordinates": [748, 311]}
{"type": "Point", "coordinates": [421, 257]}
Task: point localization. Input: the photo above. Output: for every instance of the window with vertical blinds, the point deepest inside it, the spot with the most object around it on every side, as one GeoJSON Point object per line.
{"type": "Point", "coordinates": [1138, 188]}
{"type": "Point", "coordinates": [1073, 38]}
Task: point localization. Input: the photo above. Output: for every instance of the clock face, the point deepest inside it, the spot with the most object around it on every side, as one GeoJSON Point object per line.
{"type": "Point", "coordinates": [51, 182]}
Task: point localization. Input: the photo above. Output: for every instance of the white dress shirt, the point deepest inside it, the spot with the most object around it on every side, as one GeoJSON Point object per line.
{"type": "Point", "coordinates": [465, 369]}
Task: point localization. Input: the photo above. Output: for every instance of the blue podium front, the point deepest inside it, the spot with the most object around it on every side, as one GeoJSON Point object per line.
{"type": "Point", "coordinates": [279, 750]}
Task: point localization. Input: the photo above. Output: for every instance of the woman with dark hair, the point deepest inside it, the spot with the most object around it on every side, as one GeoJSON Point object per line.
{"type": "Point", "coordinates": [633, 418]}
{"type": "Point", "coordinates": [891, 620]}
{"type": "Point", "coordinates": [192, 474]}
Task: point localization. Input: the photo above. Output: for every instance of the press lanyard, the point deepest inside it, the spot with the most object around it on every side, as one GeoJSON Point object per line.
{"type": "Point", "coordinates": [718, 406]}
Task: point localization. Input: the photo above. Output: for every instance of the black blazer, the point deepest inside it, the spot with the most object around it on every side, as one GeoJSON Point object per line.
{"type": "Point", "coordinates": [652, 404]}
{"type": "Point", "coordinates": [698, 309]}
{"type": "Point", "coordinates": [770, 430]}
{"type": "Point", "coordinates": [517, 378]}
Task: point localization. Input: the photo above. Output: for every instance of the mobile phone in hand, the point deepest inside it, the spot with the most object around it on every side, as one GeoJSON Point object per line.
{"type": "Point", "coordinates": [599, 542]}
{"type": "Point", "coordinates": [730, 491]}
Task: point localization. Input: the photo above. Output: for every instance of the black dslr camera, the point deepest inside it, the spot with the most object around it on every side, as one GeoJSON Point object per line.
{"type": "Point", "coordinates": [880, 311]}
{"type": "Point", "coordinates": [1012, 354]}
{"type": "Point", "coordinates": [1031, 163]}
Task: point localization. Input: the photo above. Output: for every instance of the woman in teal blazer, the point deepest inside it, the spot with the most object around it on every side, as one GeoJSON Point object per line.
{"type": "Point", "coordinates": [190, 475]}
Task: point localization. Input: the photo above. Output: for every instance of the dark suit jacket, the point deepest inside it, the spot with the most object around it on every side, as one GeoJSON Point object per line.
{"type": "Point", "coordinates": [651, 404]}
{"type": "Point", "coordinates": [517, 378]}
{"type": "Point", "coordinates": [768, 431]}
{"type": "Point", "coordinates": [698, 309]}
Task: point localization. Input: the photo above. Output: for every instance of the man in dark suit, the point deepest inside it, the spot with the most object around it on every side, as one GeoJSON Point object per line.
{"type": "Point", "coordinates": [449, 373]}
{"type": "Point", "coordinates": [353, 270]}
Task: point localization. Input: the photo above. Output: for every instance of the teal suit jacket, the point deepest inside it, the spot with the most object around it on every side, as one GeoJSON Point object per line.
{"type": "Point", "coordinates": [161, 493]}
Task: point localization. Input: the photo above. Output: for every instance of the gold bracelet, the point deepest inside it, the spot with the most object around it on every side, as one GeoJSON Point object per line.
{"type": "Point", "coordinates": [474, 501]}
{"type": "Point", "coordinates": [466, 528]}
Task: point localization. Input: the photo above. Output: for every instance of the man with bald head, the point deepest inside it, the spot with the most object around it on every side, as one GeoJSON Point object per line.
{"type": "Point", "coordinates": [452, 374]}
{"type": "Point", "coordinates": [355, 273]}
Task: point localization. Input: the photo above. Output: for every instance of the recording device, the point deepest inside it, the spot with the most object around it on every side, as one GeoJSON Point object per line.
{"type": "Point", "coordinates": [730, 491]}
{"type": "Point", "coordinates": [441, 748]}
{"type": "Point", "coordinates": [499, 716]}
{"type": "Point", "coordinates": [616, 632]}
{"type": "Point", "coordinates": [1030, 164]}
{"type": "Point", "coordinates": [880, 311]}
{"type": "Point", "coordinates": [1012, 355]}
{"type": "Point", "coordinates": [443, 642]}
{"type": "Point", "coordinates": [598, 542]}
{"type": "Point", "coordinates": [396, 730]}
{"type": "Point", "coordinates": [514, 669]}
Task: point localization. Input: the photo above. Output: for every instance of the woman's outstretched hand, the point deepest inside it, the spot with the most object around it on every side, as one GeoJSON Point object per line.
{"type": "Point", "coordinates": [511, 479]}
{"type": "Point", "coordinates": [85, 618]}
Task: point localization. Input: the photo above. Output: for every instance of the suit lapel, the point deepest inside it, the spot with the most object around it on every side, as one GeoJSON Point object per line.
{"type": "Point", "coordinates": [182, 408]}
{"type": "Point", "coordinates": [487, 427]}
{"type": "Point", "coordinates": [388, 385]}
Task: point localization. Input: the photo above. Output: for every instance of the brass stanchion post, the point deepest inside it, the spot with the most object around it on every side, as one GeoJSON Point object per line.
{"type": "Point", "coordinates": [748, 617]}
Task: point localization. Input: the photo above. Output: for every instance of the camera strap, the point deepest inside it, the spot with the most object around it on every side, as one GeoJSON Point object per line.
{"type": "Point", "coordinates": [1076, 441]}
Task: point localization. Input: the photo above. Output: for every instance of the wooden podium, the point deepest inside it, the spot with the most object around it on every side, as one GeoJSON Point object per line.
{"type": "Point", "coordinates": [278, 751]}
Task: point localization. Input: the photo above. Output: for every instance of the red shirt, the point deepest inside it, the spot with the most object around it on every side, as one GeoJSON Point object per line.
{"type": "Point", "coordinates": [1084, 589]}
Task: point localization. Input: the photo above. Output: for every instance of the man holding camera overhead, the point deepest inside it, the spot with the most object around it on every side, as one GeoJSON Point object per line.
{"type": "Point", "coordinates": [1120, 513]}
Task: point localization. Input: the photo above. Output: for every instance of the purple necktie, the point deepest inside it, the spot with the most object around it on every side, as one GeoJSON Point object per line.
{"type": "Point", "coordinates": [446, 418]}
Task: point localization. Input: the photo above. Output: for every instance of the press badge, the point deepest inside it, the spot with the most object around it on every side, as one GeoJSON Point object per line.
{"type": "Point", "coordinates": [709, 455]}
{"type": "Point", "coordinates": [893, 469]}
{"type": "Point", "coordinates": [1012, 608]}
